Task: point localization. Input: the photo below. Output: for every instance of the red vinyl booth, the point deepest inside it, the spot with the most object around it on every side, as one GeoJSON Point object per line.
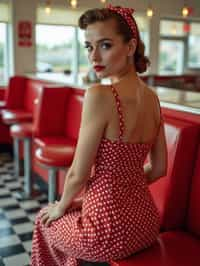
{"type": "Point", "coordinates": [180, 246]}
{"type": "Point", "coordinates": [56, 133]}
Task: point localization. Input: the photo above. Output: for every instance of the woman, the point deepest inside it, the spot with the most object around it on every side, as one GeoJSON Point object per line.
{"type": "Point", "coordinates": [121, 124]}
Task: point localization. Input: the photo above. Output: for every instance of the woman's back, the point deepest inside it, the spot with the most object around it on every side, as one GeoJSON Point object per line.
{"type": "Point", "coordinates": [140, 111]}
{"type": "Point", "coordinates": [117, 192]}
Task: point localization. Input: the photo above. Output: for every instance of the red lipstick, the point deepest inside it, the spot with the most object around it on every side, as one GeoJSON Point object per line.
{"type": "Point", "coordinates": [99, 68]}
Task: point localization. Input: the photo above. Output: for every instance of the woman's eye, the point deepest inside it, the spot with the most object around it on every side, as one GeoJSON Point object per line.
{"type": "Point", "coordinates": [106, 45]}
{"type": "Point", "coordinates": [89, 48]}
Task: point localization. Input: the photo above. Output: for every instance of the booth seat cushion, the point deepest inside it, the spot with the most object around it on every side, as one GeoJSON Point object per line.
{"type": "Point", "coordinates": [16, 116]}
{"type": "Point", "coordinates": [194, 205]}
{"type": "Point", "coordinates": [172, 248]}
{"type": "Point", "coordinates": [55, 155]}
{"type": "Point", "coordinates": [54, 140]}
{"type": "Point", "coordinates": [171, 193]}
{"type": "Point", "coordinates": [23, 130]}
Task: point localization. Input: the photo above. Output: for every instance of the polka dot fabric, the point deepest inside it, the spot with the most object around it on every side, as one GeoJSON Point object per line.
{"type": "Point", "coordinates": [118, 216]}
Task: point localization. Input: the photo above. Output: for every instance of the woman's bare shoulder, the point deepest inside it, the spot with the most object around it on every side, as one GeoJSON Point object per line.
{"type": "Point", "coordinates": [98, 91]}
{"type": "Point", "coordinates": [99, 87]}
{"type": "Point", "coordinates": [98, 94]}
{"type": "Point", "coordinates": [150, 92]}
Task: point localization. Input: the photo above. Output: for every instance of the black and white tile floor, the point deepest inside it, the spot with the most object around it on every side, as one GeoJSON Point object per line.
{"type": "Point", "coordinates": [16, 217]}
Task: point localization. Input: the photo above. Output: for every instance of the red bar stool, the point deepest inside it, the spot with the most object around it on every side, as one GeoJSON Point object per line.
{"type": "Point", "coordinates": [55, 157]}
{"type": "Point", "coordinates": [23, 133]}
{"type": "Point", "coordinates": [21, 130]}
{"type": "Point", "coordinates": [14, 123]}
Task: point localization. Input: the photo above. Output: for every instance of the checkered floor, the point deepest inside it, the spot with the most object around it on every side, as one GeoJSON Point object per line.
{"type": "Point", "coordinates": [16, 217]}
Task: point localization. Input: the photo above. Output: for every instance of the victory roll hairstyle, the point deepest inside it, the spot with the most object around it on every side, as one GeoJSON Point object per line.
{"type": "Point", "coordinates": [125, 26]}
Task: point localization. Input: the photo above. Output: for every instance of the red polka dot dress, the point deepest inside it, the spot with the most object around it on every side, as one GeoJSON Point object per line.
{"type": "Point", "coordinates": [118, 216]}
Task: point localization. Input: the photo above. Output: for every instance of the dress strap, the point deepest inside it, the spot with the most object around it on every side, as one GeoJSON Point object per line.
{"type": "Point", "coordinates": [119, 111]}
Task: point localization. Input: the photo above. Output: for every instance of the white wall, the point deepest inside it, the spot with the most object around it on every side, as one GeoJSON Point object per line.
{"type": "Point", "coordinates": [24, 57]}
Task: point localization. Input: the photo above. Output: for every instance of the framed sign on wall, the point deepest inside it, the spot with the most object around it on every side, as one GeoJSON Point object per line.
{"type": "Point", "coordinates": [25, 33]}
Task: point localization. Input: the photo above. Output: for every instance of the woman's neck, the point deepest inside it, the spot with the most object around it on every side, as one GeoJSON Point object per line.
{"type": "Point", "coordinates": [126, 75]}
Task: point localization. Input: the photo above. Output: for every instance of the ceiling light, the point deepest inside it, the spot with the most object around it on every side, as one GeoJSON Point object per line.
{"type": "Point", "coordinates": [73, 3]}
{"type": "Point", "coordinates": [48, 7]}
{"type": "Point", "coordinates": [150, 12]}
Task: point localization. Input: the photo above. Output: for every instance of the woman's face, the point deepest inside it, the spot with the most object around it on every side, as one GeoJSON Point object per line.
{"type": "Point", "coordinates": [107, 51]}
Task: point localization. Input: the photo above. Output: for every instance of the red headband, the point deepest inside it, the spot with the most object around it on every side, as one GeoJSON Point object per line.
{"type": "Point", "coordinates": [126, 13]}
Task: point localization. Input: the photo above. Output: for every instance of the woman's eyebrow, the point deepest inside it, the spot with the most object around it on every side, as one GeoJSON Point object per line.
{"type": "Point", "coordinates": [101, 40]}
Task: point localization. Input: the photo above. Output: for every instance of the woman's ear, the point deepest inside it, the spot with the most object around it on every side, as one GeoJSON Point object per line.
{"type": "Point", "coordinates": [131, 47]}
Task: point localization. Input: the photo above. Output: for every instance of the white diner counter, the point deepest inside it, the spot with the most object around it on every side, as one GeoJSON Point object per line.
{"type": "Point", "coordinates": [169, 97]}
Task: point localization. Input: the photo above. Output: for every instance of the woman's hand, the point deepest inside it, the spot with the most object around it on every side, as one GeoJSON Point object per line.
{"type": "Point", "coordinates": [52, 212]}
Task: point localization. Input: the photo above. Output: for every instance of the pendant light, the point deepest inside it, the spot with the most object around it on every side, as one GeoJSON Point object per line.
{"type": "Point", "coordinates": [185, 10]}
{"type": "Point", "coordinates": [48, 7]}
{"type": "Point", "coordinates": [73, 3]}
{"type": "Point", "coordinates": [150, 11]}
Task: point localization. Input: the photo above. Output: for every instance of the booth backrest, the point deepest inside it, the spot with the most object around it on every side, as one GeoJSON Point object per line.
{"type": "Point", "coordinates": [14, 95]}
{"type": "Point", "coordinates": [171, 192]}
{"type": "Point", "coordinates": [33, 89]}
{"type": "Point", "coordinates": [180, 115]}
{"type": "Point", "coordinates": [23, 92]}
{"type": "Point", "coordinates": [51, 112]}
{"type": "Point", "coordinates": [194, 204]}
{"type": "Point", "coordinates": [73, 114]}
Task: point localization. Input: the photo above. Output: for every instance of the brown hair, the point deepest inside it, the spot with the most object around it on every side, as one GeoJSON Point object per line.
{"type": "Point", "coordinates": [95, 15]}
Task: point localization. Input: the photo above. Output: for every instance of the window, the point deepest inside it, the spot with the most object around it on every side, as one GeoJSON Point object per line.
{"type": "Point", "coordinates": [55, 54]}
{"type": "Point", "coordinates": [143, 25]}
{"type": "Point", "coordinates": [194, 46]}
{"type": "Point", "coordinates": [179, 46]}
{"type": "Point", "coordinates": [171, 55]}
{"type": "Point", "coordinates": [83, 55]}
{"type": "Point", "coordinates": [3, 63]}
{"type": "Point", "coordinates": [59, 45]}
{"type": "Point", "coordinates": [4, 42]}
{"type": "Point", "coordinates": [172, 28]}
{"type": "Point", "coordinates": [173, 43]}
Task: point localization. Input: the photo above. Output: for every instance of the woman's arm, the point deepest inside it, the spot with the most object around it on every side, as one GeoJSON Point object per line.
{"type": "Point", "coordinates": [150, 176]}
{"type": "Point", "coordinates": [93, 123]}
{"type": "Point", "coordinates": [157, 167]}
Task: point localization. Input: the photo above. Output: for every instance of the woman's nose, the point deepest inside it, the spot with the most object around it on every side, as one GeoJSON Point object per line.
{"type": "Point", "coordinates": [95, 55]}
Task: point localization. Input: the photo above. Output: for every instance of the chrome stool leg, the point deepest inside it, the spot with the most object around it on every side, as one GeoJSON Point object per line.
{"type": "Point", "coordinates": [27, 167]}
{"type": "Point", "coordinates": [27, 192]}
{"type": "Point", "coordinates": [52, 184]}
{"type": "Point", "coordinates": [16, 142]}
